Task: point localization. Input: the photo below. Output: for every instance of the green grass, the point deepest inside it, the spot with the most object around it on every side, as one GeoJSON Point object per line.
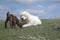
{"type": "Point", "coordinates": [47, 31]}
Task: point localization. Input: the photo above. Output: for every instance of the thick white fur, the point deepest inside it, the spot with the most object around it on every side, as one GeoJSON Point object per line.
{"type": "Point", "coordinates": [33, 20]}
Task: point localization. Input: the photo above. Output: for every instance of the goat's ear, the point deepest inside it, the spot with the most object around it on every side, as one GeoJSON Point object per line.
{"type": "Point", "coordinates": [7, 13]}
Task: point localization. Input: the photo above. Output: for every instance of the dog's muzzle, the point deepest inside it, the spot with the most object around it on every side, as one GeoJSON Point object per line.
{"type": "Point", "coordinates": [22, 19]}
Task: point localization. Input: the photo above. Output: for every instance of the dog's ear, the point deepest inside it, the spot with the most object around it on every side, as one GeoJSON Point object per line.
{"type": "Point", "coordinates": [7, 13]}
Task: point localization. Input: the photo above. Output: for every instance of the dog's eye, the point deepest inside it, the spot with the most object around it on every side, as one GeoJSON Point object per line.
{"type": "Point", "coordinates": [24, 15]}
{"type": "Point", "coordinates": [21, 15]}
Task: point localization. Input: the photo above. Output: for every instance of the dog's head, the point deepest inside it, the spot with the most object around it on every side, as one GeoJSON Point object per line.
{"type": "Point", "coordinates": [24, 15]}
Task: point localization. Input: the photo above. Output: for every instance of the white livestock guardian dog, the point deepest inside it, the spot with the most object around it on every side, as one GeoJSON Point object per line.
{"type": "Point", "coordinates": [29, 20]}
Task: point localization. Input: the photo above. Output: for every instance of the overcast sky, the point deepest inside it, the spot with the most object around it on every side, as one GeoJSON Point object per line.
{"type": "Point", "coordinates": [40, 8]}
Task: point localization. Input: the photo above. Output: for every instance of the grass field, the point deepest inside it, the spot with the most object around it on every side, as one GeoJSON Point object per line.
{"type": "Point", "coordinates": [49, 30]}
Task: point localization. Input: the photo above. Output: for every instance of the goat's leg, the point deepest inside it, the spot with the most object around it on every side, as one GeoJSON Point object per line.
{"type": "Point", "coordinates": [19, 24]}
{"type": "Point", "coordinates": [6, 23]}
{"type": "Point", "coordinates": [11, 25]}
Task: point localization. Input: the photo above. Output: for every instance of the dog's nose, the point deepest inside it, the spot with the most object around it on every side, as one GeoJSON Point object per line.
{"type": "Point", "coordinates": [22, 19]}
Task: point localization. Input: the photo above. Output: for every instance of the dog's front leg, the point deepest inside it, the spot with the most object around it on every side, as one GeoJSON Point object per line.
{"type": "Point", "coordinates": [26, 25]}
